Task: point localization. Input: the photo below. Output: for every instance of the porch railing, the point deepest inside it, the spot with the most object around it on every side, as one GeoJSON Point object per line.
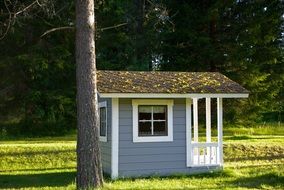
{"type": "Point", "coordinates": [205, 154]}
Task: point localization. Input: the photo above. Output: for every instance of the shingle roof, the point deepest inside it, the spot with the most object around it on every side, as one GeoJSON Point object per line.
{"type": "Point", "coordinates": [166, 82]}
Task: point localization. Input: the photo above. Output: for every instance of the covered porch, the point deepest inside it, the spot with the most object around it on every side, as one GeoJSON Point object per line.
{"type": "Point", "coordinates": [205, 152]}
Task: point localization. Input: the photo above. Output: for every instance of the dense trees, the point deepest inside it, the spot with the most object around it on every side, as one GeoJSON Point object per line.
{"type": "Point", "coordinates": [242, 39]}
{"type": "Point", "coordinates": [40, 79]}
{"type": "Point", "coordinates": [255, 54]}
{"type": "Point", "coordinates": [37, 78]}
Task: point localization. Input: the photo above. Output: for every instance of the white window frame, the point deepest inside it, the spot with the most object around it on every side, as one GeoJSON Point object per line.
{"type": "Point", "coordinates": [103, 138]}
{"type": "Point", "coordinates": [153, 102]}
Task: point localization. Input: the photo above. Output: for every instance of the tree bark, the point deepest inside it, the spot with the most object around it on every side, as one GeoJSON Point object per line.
{"type": "Point", "coordinates": [212, 35]}
{"type": "Point", "coordinates": [89, 170]}
{"type": "Point", "coordinates": [140, 45]}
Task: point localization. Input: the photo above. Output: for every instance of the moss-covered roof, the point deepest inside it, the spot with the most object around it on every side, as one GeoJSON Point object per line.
{"type": "Point", "coordinates": [166, 82]}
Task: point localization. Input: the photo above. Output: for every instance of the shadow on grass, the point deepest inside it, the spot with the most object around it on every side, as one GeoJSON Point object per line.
{"type": "Point", "coordinates": [258, 181]}
{"type": "Point", "coordinates": [247, 137]}
{"type": "Point", "coordinates": [212, 174]}
{"type": "Point", "coordinates": [37, 169]}
{"type": "Point", "coordinates": [254, 158]}
{"type": "Point", "coordinates": [37, 180]}
{"type": "Point", "coordinates": [35, 153]}
{"type": "Point", "coordinates": [239, 137]}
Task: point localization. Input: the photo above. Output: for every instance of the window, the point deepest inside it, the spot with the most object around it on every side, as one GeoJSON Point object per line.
{"type": "Point", "coordinates": [103, 121]}
{"type": "Point", "coordinates": [152, 120]}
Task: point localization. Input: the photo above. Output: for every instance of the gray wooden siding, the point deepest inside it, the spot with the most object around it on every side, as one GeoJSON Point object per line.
{"type": "Point", "coordinates": [148, 158]}
{"type": "Point", "coordinates": [106, 146]}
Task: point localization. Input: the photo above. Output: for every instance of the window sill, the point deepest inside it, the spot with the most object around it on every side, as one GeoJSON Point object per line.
{"type": "Point", "coordinates": [102, 139]}
{"type": "Point", "coordinates": [153, 139]}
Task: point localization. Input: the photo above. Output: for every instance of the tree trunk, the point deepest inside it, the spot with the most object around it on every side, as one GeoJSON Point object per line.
{"type": "Point", "coordinates": [89, 170]}
{"type": "Point", "coordinates": [212, 35]}
{"type": "Point", "coordinates": [140, 44]}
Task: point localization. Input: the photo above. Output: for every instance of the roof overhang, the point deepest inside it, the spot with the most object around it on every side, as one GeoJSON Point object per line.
{"type": "Point", "coordinates": [164, 95]}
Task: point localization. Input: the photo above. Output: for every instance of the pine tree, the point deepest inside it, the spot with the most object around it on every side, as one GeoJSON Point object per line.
{"type": "Point", "coordinates": [89, 168]}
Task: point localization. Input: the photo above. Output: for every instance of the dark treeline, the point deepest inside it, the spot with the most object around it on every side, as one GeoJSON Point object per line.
{"type": "Point", "coordinates": [241, 39]}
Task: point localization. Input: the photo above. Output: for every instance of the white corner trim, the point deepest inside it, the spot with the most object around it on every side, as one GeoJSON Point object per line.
{"type": "Point", "coordinates": [168, 103]}
{"type": "Point", "coordinates": [103, 138]}
{"type": "Point", "coordinates": [173, 95]}
{"type": "Point", "coordinates": [115, 137]}
{"type": "Point", "coordinates": [188, 133]}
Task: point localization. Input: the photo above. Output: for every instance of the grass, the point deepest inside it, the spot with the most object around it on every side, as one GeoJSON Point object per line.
{"type": "Point", "coordinates": [252, 161]}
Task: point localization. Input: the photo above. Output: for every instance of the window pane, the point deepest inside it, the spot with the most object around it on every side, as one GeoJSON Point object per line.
{"type": "Point", "coordinates": [102, 121]}
{"type": "Point", "coordinates": [103, 129]}
{"type": "Point", "coordinates": [145, 112]}
{"type": "Point", "coordinates": [144, 129]}
{"type": "Point", "coordinates": [103, 113]}
{"type": "Point", "coordinates": [159, 112]}
{"type": "Point", "coordinates": [160, 128]}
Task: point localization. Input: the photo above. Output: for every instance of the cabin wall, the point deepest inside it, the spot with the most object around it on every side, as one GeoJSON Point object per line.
{"type": "Point", "coordinates": [106, 146]}
{"type": "Point", "coordinates": [150, 158]}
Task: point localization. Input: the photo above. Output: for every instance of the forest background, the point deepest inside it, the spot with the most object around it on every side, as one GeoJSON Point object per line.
{"type": "Point", "coordinates": [241, 39]}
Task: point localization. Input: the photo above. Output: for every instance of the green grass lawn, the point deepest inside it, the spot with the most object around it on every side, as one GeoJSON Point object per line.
{"type": "Point", "coordinates": [254, 159]}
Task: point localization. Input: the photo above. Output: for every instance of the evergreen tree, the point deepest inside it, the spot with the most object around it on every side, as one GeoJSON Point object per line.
{"type": "Point", "coordinates": [38, 73]}
{"type": "Point", "coordinates": [241, 39]}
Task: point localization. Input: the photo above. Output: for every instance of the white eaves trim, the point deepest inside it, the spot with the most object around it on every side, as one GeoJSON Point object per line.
{"type": "Point", "coordinates": [174, 95]}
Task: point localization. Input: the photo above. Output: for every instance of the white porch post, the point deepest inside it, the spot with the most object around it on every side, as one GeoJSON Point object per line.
{"type": "Point", "coordinates": [195, 119]}
{"type": "Point", "coordinates": [208, 129]}
{"type": "Point", "coordinates": [208, 119]}
{"type": "Point", "coordinates": [188, 133]}
{"type": "Point", "coordinates": [220, 128]}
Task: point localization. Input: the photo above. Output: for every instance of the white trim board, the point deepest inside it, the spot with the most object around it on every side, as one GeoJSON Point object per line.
{"type": "Point", "coordinates": [169, 104]}
{"type": "Point", "coordinates": [102, 104]}
{"type": "Point", "coordinates": [103, 138]}
{"type": "Point", "coordinates": [188, 133]}
{"type": "Point", "coordinates": [174, 95]}
{"type": "Point", "coordinates": [115, 137]}
{"type": "Point", "coordinates": [220, 128]}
